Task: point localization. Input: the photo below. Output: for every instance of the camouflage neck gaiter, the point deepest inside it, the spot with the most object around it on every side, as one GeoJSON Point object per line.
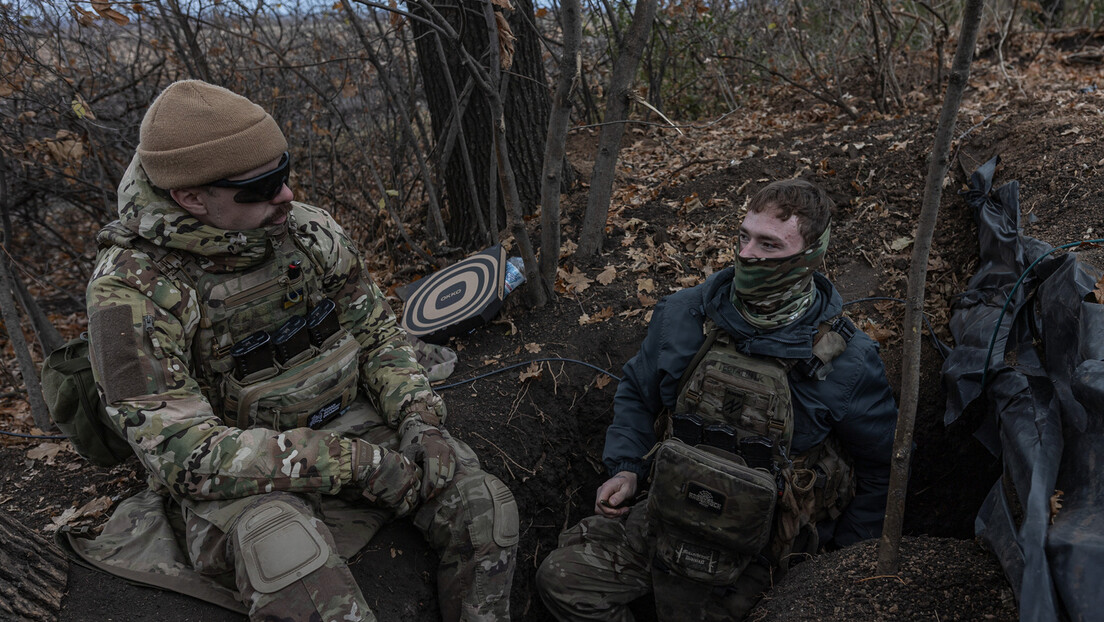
{"type": "Point", "coordinates": [770, 292]}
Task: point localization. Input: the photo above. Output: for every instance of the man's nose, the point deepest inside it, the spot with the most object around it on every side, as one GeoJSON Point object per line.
{"type": "Point", "coordinates": [747, 251]}
{"type": "Point", "coordinates": [284, 196]}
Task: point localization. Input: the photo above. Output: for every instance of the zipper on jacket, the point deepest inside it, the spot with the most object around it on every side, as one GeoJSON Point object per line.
{"type": "Point", "coordinates": [158, 370]}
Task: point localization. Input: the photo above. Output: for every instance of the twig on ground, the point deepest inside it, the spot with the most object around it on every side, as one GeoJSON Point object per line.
{"type": "Point", "coordinates": [505, 455]}
{"type": "Point", "coordinates": [883, 576]}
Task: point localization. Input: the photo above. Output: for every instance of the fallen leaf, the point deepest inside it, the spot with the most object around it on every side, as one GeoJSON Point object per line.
{"type": "Point", "coordinates": [95, 507]}
{"type": "Point", "coordinates": [645, 300]}
{"type": "Point", "coordinates": [601, 381]}
{"type": "Point", "coordinates": [574, 281]}
{"type": "Point", "coordinates": [62, 520]}
{"type": "Point", "coordinates": [645, 285]}
{"type": "Point", "coordinates": [605, 277]}
{"type": "Point", "coordinates": [532, 348]}
{"type": "Point", "coordinates": [533, 371]}
{"type": "Point", "coordinates": [900, 243]}
{"type": "Point", "coordinates": [1099, 291]}
{"type": "Point", "coordinates": [689, 280]}
{"type": "Point", "coordinates": [601, 316]}
{"type": "Point", "coordinates": [880, 334]}
{"type": "Point", "coordinates": [47, 451]}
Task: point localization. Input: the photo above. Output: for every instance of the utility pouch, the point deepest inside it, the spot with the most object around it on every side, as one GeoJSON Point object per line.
{"type": "Point", "coordinates": [711, 513]}
{"type": "Point", "coordinates": [307, 390]}
{"type": "Point", "coordinates": [834, 485]}
{"type": "Point", "coordinates": [76, 408]}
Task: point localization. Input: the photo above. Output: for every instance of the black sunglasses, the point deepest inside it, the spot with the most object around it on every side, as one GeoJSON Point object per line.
{"type": "Point", "coordinates": [263, 187]}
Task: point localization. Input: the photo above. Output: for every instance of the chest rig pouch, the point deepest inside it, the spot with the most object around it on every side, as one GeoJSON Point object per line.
{"type": "Point", "coordinates": [269, 350]}
{"type": "Point", "coordinates": [730, 437]}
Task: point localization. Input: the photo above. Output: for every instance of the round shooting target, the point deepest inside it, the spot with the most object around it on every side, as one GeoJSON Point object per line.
{"type": "Point", "coordinates": [457, 298]}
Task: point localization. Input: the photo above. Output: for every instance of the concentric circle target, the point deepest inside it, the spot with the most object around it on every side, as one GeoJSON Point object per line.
{"type": "Point", "coordinates": [457, 298]}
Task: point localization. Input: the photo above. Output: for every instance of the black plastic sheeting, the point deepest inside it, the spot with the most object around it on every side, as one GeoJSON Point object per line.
{"type": "Point", "coordinates": [1044, 395]}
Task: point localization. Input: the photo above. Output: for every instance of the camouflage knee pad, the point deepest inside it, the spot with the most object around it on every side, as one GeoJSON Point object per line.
{"type": "Point", "coordinates": [278, 545]}
{"type": "Point", "coordinates": [474, 525]}
{"type": "Point", "coordinates": [287, 566]}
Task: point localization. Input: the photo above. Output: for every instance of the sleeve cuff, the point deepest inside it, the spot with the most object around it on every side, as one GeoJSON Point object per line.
{"type": "Point", "coordinates": [634, 466]}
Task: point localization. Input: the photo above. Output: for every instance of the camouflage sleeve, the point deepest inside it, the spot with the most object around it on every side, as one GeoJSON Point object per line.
{"type": "Point", "coordinates": [140, 326]}
{"type": "Point", "coordinates": [389, 371]}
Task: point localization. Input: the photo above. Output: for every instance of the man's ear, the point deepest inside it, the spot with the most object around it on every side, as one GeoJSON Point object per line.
{"type": "Point", "coordinates": [191, 199]}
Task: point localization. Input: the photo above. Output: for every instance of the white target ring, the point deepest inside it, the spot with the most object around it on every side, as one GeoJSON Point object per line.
{"type": "Point", "coordinates": [457, 298]}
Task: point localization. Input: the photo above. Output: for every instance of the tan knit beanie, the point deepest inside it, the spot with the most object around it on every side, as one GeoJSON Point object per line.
{"type": "Point", "coordinates": [195, 133]}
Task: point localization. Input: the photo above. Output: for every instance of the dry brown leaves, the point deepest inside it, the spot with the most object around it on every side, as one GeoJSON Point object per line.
{"type": "Point", "coordinates": [571, 282]}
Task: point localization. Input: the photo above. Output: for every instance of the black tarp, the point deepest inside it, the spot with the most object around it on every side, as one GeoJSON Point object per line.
{"type": "Point", "coordinates": [1044, 400]}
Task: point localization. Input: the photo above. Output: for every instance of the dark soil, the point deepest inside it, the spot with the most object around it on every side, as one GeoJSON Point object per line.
{"type": "Point", "coordinates": [540, 427]}
{"type": "Point", "coordinates": [939, 579]}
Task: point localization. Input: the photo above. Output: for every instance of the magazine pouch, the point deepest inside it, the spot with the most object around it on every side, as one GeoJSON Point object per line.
{"type": "Point", "coordinates": [308, 390]}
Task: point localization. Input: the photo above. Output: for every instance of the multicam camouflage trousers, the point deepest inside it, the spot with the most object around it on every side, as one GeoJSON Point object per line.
{"type": "Point", "coordinates": [222, 559]}
{"type": "Point", "coordinates": [603, 564]}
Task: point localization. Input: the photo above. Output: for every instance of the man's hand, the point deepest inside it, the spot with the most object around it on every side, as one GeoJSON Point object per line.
{"type": "Point", "coordinates": [426, 446]}
{"type": "Point", "coordinates": [613, 494]}
{"type": "Point", "coordinates": [386, 478]}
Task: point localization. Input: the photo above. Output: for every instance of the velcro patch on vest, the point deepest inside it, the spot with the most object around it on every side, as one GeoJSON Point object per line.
{"type": "Point", "coordinates": [325, 414]}
{"type": "Point", "coordinates": [706, 498]}
{"type": "Point", "coordinates": [698, 558]}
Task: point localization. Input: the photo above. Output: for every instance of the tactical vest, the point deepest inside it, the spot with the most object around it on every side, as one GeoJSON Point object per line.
{"type": "Point", "coordinates": [311, 386]}
{"type": "Point", "coordinates": [725, 483]}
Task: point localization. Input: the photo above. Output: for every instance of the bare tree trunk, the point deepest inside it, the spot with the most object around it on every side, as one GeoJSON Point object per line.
{"type": "Point", "coordinates": [48, 336]}
{"type": "Point", "coordinates": [554, 146]}
{"type": "Point", "coordinates": [27, 367]}
{"type": "Point", "coordinates": [524, 99]}
{"type": "Point", "coordinates": [889, 548]}
{"type": "Point", "coordinates": [33, 573]}
{"type": "Point", "coordinates": [609, 143]}
{"type": "Point", "coordinates": [532, 292]}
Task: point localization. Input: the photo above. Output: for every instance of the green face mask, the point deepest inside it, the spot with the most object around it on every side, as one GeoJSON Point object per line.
{"type": "Point", "coordinates": [771, 292]}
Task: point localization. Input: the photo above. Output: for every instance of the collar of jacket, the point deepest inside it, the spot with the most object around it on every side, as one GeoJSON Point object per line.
{"type": "Point", "coordinates": [164, 223]}
{"type": "Point", "coordinates": [792, 341]}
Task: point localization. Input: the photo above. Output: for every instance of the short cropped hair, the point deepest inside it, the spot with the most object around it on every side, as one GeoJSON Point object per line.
{"type": "Point", "coordinates": [808, 201]}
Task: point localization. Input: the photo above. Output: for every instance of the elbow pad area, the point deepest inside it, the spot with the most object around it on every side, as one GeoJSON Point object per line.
{"type": "Point", "coordinates": [278, 545]}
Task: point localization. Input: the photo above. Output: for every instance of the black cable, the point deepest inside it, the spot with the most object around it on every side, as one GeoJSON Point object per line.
{"type": "Point", "coordinates": [509, 367]}
{"type": "Point", "coordinates": [48, 438]}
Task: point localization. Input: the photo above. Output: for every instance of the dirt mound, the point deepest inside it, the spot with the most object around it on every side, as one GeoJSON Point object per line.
{"type": "Point", "coordinates": [939, 579]}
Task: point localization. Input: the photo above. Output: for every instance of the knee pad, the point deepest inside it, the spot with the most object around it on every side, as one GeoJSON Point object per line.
{"type": "Point", "coordinates": [278, 546]}
{"type": "Point", "coordinates": [492, 510]}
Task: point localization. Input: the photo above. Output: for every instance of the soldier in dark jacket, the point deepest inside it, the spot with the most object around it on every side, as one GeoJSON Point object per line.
{"type": "Point", "coordinates": [771, 305]}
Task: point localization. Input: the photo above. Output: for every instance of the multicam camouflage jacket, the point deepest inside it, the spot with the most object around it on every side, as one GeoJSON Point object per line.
{"type": "Point", "coordinates": [163, 379]}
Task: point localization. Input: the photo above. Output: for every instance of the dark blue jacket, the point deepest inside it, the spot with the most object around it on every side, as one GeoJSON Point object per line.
{"type": "Point", "coordinates": [854, 401]}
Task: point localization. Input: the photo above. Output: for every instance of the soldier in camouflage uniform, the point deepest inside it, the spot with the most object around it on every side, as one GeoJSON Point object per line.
{"type": "Point", "coordinates": [768, 307]}
{"type": "Point", "coordinates": [268, 466]}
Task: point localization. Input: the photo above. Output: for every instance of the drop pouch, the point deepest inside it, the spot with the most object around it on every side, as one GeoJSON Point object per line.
{"type": "Point", "coordinates": [710, 512]}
